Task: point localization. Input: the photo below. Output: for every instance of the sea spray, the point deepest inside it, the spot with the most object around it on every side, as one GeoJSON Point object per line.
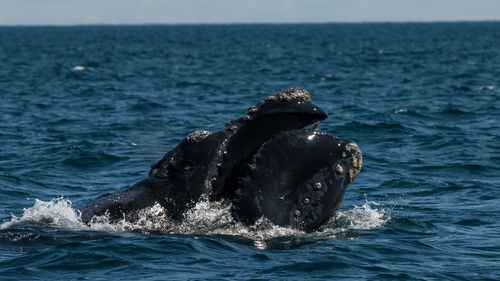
{"type": "Point", "coordinates": [205, 218]}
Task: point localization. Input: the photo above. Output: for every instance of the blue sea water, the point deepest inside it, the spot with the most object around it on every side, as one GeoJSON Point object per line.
{"type": "Point", "coordinates": [86, 110]}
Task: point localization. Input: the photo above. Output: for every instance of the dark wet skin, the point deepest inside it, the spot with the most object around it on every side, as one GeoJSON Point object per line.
{"type": "Point", "coordinates": [216, 164]}
{"type": "Point", "coordinates": [302, 187]}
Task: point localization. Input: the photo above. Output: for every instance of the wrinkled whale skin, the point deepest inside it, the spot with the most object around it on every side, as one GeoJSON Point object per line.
{"type": "Point", "coordinates": [225, 165]}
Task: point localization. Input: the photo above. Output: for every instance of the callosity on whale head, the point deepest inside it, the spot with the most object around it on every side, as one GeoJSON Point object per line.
{"type": "Point", "coordinates": [289, 109]}
{"type": "Point", "coordinates": [298, 179]}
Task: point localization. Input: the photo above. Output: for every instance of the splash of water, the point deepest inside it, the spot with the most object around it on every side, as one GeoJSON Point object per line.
{"type": "Point", "coordinates": [56, 212]}
{"type": "Point", "coordinates": [206, 218]}
{"type": "Point", "coordinates": [365, 217]}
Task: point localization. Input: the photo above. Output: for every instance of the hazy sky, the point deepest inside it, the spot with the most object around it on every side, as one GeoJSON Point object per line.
{"type": "Point", "coordinates": [68, 12]}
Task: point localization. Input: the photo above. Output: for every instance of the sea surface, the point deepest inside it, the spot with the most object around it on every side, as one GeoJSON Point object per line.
{"type": "Point", "coordinates": [85, 111]}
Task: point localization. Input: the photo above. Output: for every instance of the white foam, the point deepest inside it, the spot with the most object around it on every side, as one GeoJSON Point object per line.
{"type": "Point", "coordinates": [149, 219]}
{"type": "Point", "coordinates": [365, 217]}
{"type": "Point", "coordinates": [78, 68]}
{"type": "Point", "coordinates": [214, 218]}
{"type": "Point", "coordinates": [487, 87]}
{"type": "Point", "coordinates": [206, 218]}
{"type": "Point", "coordinates": [56, 212]}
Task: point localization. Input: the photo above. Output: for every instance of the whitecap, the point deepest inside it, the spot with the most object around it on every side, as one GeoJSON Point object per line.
{"type": "Point", "coordinates": [488, 87]}
{"type": "Point", "coordinates": [78, 68]}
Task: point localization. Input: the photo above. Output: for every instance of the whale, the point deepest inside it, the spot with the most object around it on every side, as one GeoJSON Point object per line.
{"type": "Point", "coordinates": [248, 163]}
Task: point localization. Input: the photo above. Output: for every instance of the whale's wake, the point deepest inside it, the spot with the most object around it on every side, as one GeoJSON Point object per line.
{"type": "Point", "coordinates": [206, 218]}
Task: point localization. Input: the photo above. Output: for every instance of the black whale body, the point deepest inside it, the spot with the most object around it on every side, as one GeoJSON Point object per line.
{"type": "Point", "coordinates": [271, 162]}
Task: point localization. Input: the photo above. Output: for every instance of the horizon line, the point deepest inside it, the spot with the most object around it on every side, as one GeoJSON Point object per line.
{"type": "Point", "coordinates": [254, 23]}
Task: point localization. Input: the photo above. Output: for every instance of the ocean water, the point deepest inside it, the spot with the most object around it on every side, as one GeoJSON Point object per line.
{"type": "Point", "coordinates": [85, 111]}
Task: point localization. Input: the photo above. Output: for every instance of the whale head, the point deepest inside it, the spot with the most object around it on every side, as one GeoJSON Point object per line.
{"type": "Point", "coordinates": [298, 179]}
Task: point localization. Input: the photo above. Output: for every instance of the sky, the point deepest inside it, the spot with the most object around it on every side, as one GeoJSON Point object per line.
{"type": "Point", "coordinates": [72, 12]}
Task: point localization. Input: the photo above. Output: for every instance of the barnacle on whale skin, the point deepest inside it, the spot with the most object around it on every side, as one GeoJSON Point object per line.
{"type": "Point", "coordinates": [197, 136]}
